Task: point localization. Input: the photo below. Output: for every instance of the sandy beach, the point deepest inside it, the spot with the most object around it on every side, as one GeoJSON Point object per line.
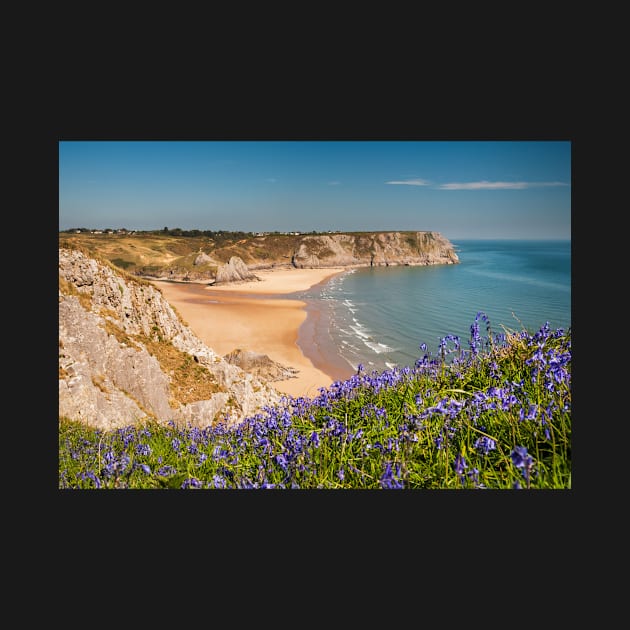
{"type": "Point", "coordinates": [250, 316]}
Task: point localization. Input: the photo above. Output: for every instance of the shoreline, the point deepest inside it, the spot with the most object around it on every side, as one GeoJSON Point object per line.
{"type": "Point", "coordinates": [316, 342]}
{"type": "Point", "coordinates": [264, 316]}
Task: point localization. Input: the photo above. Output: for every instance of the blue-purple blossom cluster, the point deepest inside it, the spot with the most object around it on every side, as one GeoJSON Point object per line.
{"type": "Point", "coordinates": [494, 415]}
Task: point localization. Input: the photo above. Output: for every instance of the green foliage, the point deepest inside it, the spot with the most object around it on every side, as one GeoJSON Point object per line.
{"type": "Point", "coordinates": [494, 420]}
{"type": "Point", "coordinates": [122, 263]}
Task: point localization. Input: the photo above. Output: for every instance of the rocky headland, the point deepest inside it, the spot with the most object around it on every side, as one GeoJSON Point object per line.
{"type": "Point", "coordinates": [205, 259]}
{"type": "Point", "coordinates": [125, 356]}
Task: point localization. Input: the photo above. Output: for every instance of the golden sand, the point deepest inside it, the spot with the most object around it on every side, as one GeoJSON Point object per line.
{"type": "Point", "coordinates": [239, 315]}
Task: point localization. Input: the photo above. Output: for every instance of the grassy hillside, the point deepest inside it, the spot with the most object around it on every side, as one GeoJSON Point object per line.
{"type": "Point", "coordinates": [149, 252]}
{"type": "Point", "coordinates": [498, 416]}
{"type": "Point", "coordinates": [140, 251]}
{"type": "Point", "coordinates": [155, 253]}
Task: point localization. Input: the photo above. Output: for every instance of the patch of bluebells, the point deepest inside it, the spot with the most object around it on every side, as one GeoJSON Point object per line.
{"type": "Point", "coordinates": [300, 442]}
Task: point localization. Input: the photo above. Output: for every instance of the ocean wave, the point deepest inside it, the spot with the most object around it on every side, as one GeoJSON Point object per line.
{"type": "Point", "coordinates": [377, 347]}
{"type": "Point", "coordinates": [360, 333]}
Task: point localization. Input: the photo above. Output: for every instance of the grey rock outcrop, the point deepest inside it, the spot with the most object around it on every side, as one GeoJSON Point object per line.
{"type": "Point", "coordinates": [202, 259]}
{"type": "Point", "coordinates": [234, 271]}
{"type": "Point", "coordinates": [260, 364]}
{"type": "Point", "coordinates": [110, 377]}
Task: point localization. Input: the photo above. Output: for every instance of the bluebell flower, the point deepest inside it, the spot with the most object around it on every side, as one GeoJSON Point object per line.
{"type": "Point", "coordinates": [389, 479]}
{"type": "Point", "coordinates": [166, 470]}
{"type": "Point", "coordinates": [485, 444]}
{"type": "Point", "coordinates": [523, 461]}
{"type": "Point", "coordinates": [218, 481]}
{"type": "Point", "coordinates": [460, 464]}
{"type": "Point", "coordinates": [143, 449]}
{"type": "Point", "coordinates": [191, 482]}
{"type": "Point", "coordinates": [520, 457]}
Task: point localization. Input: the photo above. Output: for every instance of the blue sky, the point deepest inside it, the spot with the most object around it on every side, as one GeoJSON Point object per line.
{"type": "Point", "coordinates": [463, 189]}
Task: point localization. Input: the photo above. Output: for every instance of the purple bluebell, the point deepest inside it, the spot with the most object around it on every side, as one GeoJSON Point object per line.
{"type": "Point", "coordinates": [143, 449]}
{"type": "Point", "coordinates": [460, 464]}
{"type": "Point", "coordinates": [485, 444]}
{"type": "Point", "coordinates": [520, 457]}
{"type": "Point", "coordinates": [390, 479]}
{"type": "Point", "coordinates": [191, 482]}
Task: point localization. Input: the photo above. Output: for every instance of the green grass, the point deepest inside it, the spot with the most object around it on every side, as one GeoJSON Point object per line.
{"type": "Point", "coordinates": [494, 416]}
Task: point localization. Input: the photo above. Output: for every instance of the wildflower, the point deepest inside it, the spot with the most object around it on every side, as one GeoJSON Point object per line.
{"type": "Point", "coordinates": [460, 466]}
{"type": "Point", "coordinates": [166, 471]}
{"type": "Point", "coordinates": [389, 479]}
{"type": "Point", "coordinates": [520, 457]}
{"type": "Point", "coordinates": [90, 475]}
{"type": "Point", "coordinates": [531, 412]}
{"type": "Point", "coordinates": [143, 449]}
{"type": "Point", "coordinates": [314, 439]}
{"type": "Point", "coordinates": [485, 445]}
{"type": "Point", "coordinates": [522, 460]}
{"type": "Point", "coordinates": [218, 481]}
{"type": "Point", "coordinates": [191, 482]}
{"type": "Point", "coordinates": [473, 475]}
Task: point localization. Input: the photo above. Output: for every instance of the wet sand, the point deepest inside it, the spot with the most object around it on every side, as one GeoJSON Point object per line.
{"type": "Point", "coordinates": [251, 316]}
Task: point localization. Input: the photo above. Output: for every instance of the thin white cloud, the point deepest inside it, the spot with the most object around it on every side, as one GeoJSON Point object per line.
{"type": "Point", "coordinates": [410, 182]}
{"type": "Point", "coordinates": [484, 185]}
{"type": "Point", "coordinates": [272, 180]}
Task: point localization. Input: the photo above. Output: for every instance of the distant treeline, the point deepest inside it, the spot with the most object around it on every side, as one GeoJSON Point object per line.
{"type": "Point", "coordinates": [209, 233]}
{"type": "Point", "coordinates": [179, 232]}
{"type": "Point", "coordinates": [165, 231]}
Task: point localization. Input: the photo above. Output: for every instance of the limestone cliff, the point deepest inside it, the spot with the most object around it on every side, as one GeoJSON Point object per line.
{"type": "Point", "coordinates": [234, 271]}
{"type": "Point", "coordinates": [374, 249]}
{"type": "Point", "coordinates": [125, 356]}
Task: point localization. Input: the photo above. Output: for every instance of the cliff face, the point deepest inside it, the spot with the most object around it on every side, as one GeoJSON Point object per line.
{"type": "Point", "coordinates": [235, 257]}
{"type": "Point", "coordinates": [125, 355]}
{"type": "Point", "coordinates": [374, 249]}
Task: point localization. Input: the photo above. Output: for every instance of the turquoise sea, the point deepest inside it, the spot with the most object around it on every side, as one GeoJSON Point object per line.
{"type": "Point", "coordinates": [379, 316]}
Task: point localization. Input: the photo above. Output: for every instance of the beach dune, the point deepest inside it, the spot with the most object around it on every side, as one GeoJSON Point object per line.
{"type": "Point", "coordinates": [250, 316]}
